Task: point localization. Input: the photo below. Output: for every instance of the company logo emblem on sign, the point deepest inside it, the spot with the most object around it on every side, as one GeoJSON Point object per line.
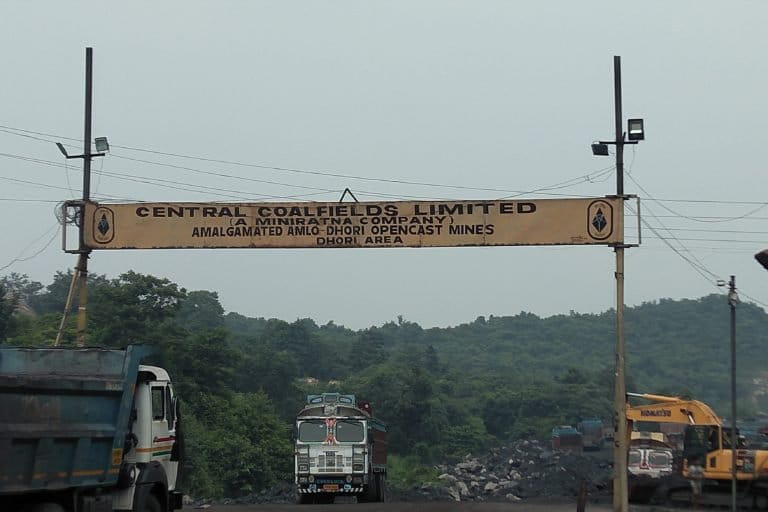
{"type": "Point", "coordinates": [104, 225]}
{"type": "Point", "coordinates": [347, 225]}
{"type": "Point", "coordinates": [599, 218]}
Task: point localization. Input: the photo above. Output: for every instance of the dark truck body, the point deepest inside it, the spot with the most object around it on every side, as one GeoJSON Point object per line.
{"type": "Point", "coordinates": [65, 418]}
{"type": "Point", "coordinates": [565, 438]}
{"type": "Point", "coordinates": [591, 433]}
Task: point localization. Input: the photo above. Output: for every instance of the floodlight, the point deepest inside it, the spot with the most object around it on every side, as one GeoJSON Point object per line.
{"type": "Point", "coordinates": [102, 145]}
{"type": "Point", "coordinates": [62, 149]}
{"type": "Point", "coordinates": [635, 129]}
{"type": "Point", "coordinates": [762, 258]}
{"type": "Point", "coordinates": [599, 149]}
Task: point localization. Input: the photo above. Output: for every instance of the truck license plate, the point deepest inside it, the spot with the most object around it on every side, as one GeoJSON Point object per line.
{"type": "Point", "coordinates": [331, 487]}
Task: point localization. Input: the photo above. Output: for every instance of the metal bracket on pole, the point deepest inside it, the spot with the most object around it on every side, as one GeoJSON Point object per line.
{"type": "Point", "coordinates": [639, 224]}
{"type": "Point", "coordinates": [76, 218]}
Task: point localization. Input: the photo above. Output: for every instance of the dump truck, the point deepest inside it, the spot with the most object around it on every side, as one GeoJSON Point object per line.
{"type": "Point", "coordinates": [565, 438]}
{"type": "Point", "coordinates": [591, 433]}
{"type": "Point", "coordinates": [341, 450]}
{"type": "Point", "coordinates": [87, 430]}
{"type": "Point", "coordinates": [650, 463]}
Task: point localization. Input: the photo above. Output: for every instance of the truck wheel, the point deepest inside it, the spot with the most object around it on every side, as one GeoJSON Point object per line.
{"type": "Point", "coordinates": [152, 505]}
{"type": "Point", "coordinates": [382, 488]}
{"type": "Point", "coordinates": [47, 507]}
{"type": "Point", "coordinates": [305, 499]}
{"type": "Point", "coordinates": [371, 493]}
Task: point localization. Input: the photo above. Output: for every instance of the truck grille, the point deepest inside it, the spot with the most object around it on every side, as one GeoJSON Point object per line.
{"type": "Point", "coordinates": [330, 462]}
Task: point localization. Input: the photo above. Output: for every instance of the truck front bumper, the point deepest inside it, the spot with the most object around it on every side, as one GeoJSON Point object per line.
{"type": "Point", "coordinates": [341, 484]}
{"type": "Point", "coordinates": [318, 489]}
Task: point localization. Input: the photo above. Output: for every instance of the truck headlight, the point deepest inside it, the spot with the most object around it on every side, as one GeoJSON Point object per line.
{"type": "Point", "coordinates": [302, 457]}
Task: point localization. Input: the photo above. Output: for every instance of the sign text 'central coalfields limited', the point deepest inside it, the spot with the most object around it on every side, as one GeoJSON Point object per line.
{"type": "Point", "coordinates": [590, 221]}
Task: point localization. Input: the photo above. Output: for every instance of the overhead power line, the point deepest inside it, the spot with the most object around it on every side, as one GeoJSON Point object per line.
{"type": "Point", "coordinates": [19, 258]}
{"type": "Point", "coordinates": [692, 260]}
{"type": "Point", "coordinates": [761, 206]}
{"type": "Point", "coordinates": [593, 177]}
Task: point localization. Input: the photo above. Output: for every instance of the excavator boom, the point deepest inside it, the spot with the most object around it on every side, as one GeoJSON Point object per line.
{"type": "Point", "coordinates": [670, 409]}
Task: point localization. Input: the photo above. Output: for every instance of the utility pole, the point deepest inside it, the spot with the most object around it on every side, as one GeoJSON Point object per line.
{"type": "Point", "coordinates": [733, 299]}
{"type": "Point", "coordinates": [80, 276]}
{"type": "Point", "coordinates": [620, 450]}
{"type": "Point", "coordinates": [621, 439]}
{"type": "Point", "coordinates": [84, 252]}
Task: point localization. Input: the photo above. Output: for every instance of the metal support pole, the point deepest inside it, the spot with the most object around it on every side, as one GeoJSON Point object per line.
{"type": "Point", "coordinates": [732, 300]}
{"type": "Point", "coordinates": [67, 306]}
{"type": "Point", "coordinates": [620, 449]}
{"type": "Point", "coordinates": [82, 261]}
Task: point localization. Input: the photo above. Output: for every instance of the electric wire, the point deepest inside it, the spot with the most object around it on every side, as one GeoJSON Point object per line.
{"type": "Point", "coordinates": [30, 134]}
{"type": "Point", "coordinates": [19, 258]}
{"type": "Point", "coordinates": [731, 231]}
{"type": "Point", "coordinates": [751, 298]}
{"type": "Point", "coordinates": [66, 173]}
{"type": "Point", "coordinates": [146, 180]}
{"type": "Point", "coordinates": [591, 177]}
{"type": "Point", "coordinates": [761, 206]}
{"type": "Point", "coordinates": [595, 177]}
{"type": "Point", "coordinates": [26, 200]}
{"type": "Point", "coordinates": [581, 179]}
{"type": "Point", "coordinates": [693, 261]}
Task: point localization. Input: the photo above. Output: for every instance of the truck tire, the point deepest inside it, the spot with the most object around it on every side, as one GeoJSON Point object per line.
{"type": "Point", "coordinates": [47, 507]}
{"type": "Point", "coordinates": [152, 505]}
{"type": "Point", "coordinates": [370, 492]}
{"type": "Point", "coordinates": [305, 499]}
{"type": "Point", "coordinates": [382, 488]}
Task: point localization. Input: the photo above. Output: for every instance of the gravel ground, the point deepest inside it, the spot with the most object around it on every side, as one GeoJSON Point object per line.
{"type": "Point", "coordinates": [551, 506]}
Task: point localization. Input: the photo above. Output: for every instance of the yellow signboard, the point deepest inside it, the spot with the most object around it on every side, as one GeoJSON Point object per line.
{"type": "Point", "coordinates": [342, 225]}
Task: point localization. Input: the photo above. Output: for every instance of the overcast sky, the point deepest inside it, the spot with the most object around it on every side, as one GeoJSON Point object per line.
{"type": "Point", "coordinates": [501, 95]}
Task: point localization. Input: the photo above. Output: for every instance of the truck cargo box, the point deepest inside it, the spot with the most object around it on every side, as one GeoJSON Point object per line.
{"type": "Point", "coordinates": [64, 416]}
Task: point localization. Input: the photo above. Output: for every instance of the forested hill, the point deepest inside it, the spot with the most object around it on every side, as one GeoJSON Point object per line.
{"type": "Point", "coordinates": [443, 391]}
{"type": "Point", "coordinates": [673, 346]}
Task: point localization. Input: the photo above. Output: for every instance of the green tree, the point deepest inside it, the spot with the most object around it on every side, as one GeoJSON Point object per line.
{"type": "Point", "coordinates": [240, 445]}
{"type": "Point", "coordinates": [130, 308]}
{"type": "Point", "coordinates": [7, 310]}
{"type": "Point", "coordinates": [200, 310]}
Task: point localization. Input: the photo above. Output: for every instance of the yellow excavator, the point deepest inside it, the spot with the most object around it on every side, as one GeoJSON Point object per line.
{"type": "Point", "coordinates": [707, 442]}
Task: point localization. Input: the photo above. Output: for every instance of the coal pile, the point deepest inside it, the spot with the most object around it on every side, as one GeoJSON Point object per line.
{"type": "Point", "coordinates": [524, 469]}
{"type": "Point", "coordinates": [521, 470]}
{"type": "Point", "coordinates": [281, 493]}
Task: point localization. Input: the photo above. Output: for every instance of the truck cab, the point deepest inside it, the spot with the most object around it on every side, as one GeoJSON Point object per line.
{"type": "Point", "coordinates": [340, 450]}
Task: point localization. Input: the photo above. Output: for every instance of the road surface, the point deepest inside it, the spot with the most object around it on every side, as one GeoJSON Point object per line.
{"type": "Point", "coordinates": [428, 506]}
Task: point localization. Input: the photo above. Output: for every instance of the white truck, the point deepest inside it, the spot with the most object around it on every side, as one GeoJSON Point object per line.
{"type": "Point", "coordinates": [340, 450]}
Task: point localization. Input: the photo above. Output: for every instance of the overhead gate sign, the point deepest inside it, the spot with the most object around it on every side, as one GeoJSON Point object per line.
{"type": "Point", "coordinates": [343, 225]}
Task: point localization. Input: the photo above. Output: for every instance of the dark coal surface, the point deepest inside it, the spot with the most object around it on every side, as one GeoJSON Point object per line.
{"type": "Point", "coordinates": [524, 470]}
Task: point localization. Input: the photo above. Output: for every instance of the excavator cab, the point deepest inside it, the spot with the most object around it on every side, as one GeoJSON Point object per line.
{"type": "Point", "coordinates": [699, 440]}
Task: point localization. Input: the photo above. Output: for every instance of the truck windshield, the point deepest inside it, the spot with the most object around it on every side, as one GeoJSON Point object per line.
{"type": "Point", "coordinates": [312, 431]}
{"type": "Point", "coordinates": [350, 432]}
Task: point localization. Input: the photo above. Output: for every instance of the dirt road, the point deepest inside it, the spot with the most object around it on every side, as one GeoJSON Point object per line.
{"type": "Point", "coordinates": [433, 506]}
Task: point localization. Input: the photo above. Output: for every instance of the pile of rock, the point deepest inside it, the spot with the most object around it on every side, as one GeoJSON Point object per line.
{"type": "Point", "coordinates": [282, 493]}
{"type": "Point", "coordinates": [522, 470]}
{"type": "Point", "coordinates": [525, 469]}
